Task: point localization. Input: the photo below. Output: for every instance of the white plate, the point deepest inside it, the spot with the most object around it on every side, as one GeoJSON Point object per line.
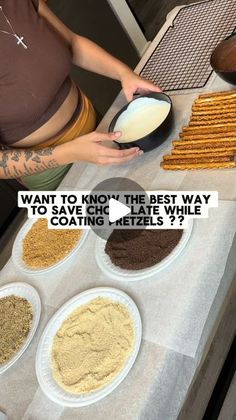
{"type": "Point", "coordinates": [116, 273]}
{"type": "Point", "coordinates": [28, 292]}
{"type": "Point", "coordinates": [43, 357]}
{"type": "Point", "coordinates": [17, 251]}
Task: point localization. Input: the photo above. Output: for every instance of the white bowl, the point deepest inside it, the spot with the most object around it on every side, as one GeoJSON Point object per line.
{"type": "Point", "coordinates": [28, 292]}
{"type": "Point", "coordinates": [43, 357]}
{"type": "Point", "coordinates": [17, 251]}
{"type": "Point", "coordinates": [116, 273]}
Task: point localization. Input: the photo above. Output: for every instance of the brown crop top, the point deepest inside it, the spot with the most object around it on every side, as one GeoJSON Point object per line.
{"type": "Point", "coordinates": [34, 82]}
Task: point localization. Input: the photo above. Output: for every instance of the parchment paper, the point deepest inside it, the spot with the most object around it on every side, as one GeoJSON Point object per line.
{"type": "Point", "coordinates": [174, 304]}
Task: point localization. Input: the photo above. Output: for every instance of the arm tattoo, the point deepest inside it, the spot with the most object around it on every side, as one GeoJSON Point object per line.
{"type": "Point", "coordinates": [28, 154]}
{"type": "Point", "coordinates": [45, 152]}
{"type": "Point", "coordinates": [36, 159]}
{"type": "Point", "coordinates": [32, 161]}
{"type": "Point", "coordinates": [4, 163]}
{"type": "Point", "coordinates": [15, 156]}
{"type": "Point", "coordinates": [16, 172]}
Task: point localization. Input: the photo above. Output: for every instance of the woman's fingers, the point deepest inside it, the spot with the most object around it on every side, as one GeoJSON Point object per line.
{"type": "Point", "coordinates": [117, 160]}
{"type": "Point", "coordinates": [107, 152]}
{"type": "Point", "coordinates": [111, 156]}
{"type": "Point", "coordinates": [142, 88]}
{"type": "Point", "coordinates": [148, 87]}
{"type": "Point", "coordinates": [98, 137]}
{"type": "Point", "coordinates": [89, 148]}
{"type": "Point", "coordinates": [133, 83]}
{"type": "Point", "coordinates": [129, 94]}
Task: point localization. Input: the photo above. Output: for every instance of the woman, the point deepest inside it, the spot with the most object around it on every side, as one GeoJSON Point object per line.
{"type": "Point", "coordinates": [46, 122]}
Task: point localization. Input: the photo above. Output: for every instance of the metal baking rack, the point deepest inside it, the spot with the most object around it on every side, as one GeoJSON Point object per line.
{"type": "Point", "coordinates": [182, 58]}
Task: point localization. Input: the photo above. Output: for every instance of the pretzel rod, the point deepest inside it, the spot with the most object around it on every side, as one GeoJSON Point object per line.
{"type": "Point", "coordinates": [208, 140]}
{"type": "Point", "coordinates": [208, 117]}
{"type": "Point", "coordinates": [221, 126]}
{"type": "Point", "coordinates": [224, 93]}
{"type": "Point", "coordinates": [213, 95]}
{"type": "Point", "coordinates": [214, 150]}
{"type": "Point", "coordinates": [207, 136]}
{"type": "Point", "coordinates": [201, 153]}
{"type": "Point", "coordinates": [219, 98]}
{"type": "Point", "coordinates": [196, 159]}
{"type": "Point", "coordinates": [216, 98]}
{"type": "Point", "coordinates": [215, 103]}
{"type": "Point", "coordinates": [190, 166]}
{"type": "Point", "coordinates": [214, 128]}
{"type": "Point", "coordinates": [230, 141]}
{"type": "Point", "coordinates": [195, 121]}
{"type": "Point", "coordinates": [204, 146]}
{"type": "Point", "coordinates": [197, 132]}
{"type": "Point", "coordinates": [215, 111]}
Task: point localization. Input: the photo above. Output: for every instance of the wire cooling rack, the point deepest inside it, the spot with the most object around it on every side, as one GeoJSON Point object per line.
{"type": "Point", "coordinates": [182, 58]}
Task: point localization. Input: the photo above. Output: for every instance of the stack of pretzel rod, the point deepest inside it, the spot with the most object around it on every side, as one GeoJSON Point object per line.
{"type": "Point", "coordinates": [209, 141]}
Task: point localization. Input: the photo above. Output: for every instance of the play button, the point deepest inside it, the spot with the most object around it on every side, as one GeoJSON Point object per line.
{"type": "Point", "coordinates": [108, 204]}
{"type": "Point", "coordinates": [117, 210]}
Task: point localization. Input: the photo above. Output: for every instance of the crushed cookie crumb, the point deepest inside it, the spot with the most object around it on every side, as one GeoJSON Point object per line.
{"type": "Point", "coordinates": [43, 247]}
{"type": "Point", "coordinates": [16, 316]}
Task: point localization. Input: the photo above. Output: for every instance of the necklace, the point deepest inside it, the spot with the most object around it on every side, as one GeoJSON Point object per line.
{"type": "Point", "coordinates": [20, 39]}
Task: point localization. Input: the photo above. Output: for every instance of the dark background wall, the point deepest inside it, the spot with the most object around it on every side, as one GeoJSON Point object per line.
{"type": "Point", "coordinates": [151, 14]}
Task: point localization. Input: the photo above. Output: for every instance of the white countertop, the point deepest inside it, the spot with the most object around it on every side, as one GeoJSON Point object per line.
{"type": "Point", "coordinates": [157, 386]}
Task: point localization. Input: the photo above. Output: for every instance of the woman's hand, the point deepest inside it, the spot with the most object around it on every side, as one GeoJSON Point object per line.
{"type": "Point", "coordinates": [15, 163]}
{"type": "Point", "coordinates": [89, 148]}
{"type": "Point", "coordinates": [132, 83]}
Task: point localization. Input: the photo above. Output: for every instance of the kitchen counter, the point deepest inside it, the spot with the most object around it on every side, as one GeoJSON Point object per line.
{"type": "Point", "coordinates": [164, 383]}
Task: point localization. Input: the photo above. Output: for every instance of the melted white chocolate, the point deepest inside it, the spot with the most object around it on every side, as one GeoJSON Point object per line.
{"type": "Point", "coordinates": [142, 116]}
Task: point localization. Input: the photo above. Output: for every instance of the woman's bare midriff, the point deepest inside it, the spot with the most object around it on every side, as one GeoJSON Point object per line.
{"type": "Point", "coordinates": [56, 123]}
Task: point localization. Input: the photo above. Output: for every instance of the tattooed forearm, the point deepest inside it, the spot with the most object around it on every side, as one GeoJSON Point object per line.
{"type": "Point", "coordinates": [22, 162]}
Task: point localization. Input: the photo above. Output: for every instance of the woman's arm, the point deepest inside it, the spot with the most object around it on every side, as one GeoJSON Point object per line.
{"type": "Point", "coordinates": [90, 56]}
{"type": "Point", "coordinates": [16, 163]}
